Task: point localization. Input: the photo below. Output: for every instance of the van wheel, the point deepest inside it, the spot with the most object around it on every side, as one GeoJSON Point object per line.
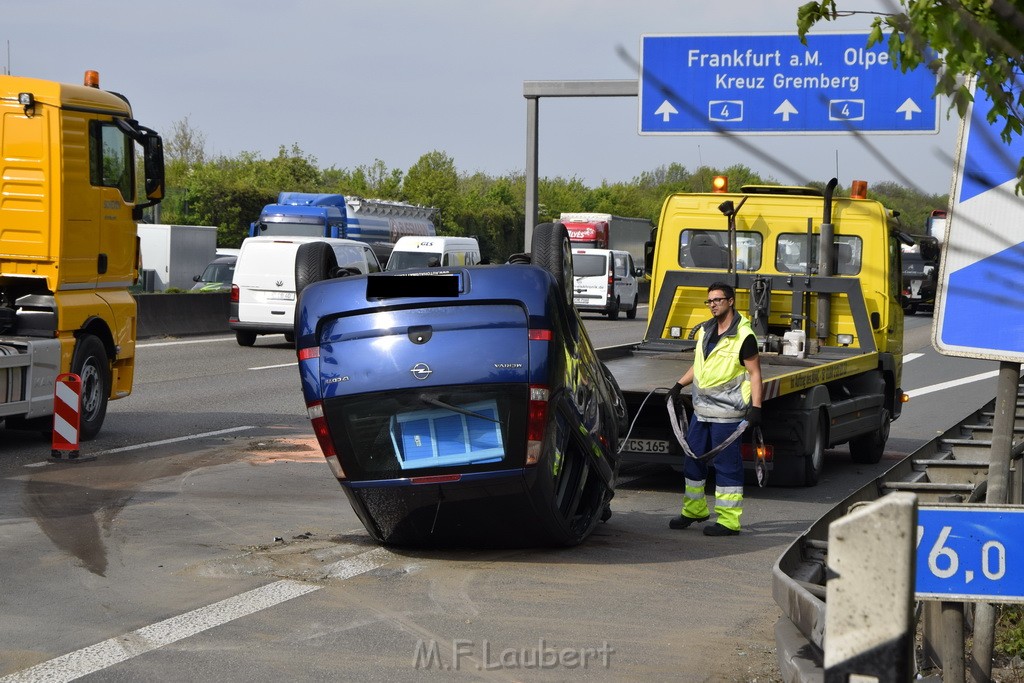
{"type": "Point", "coordinates": [868, 449]}
{"type": "Point", "coordinates": [613, 312]}
{"type": "Point", "coordinates": [289, 337]}
{"type": "Point", "coordinates": [631, 313]}
{"type": "Point", "coordinates": [553, 253]}
{"type": "Point", "coordinates": [90, 362]}
{"type": "Point", "coordinates": [314, 261]}
{"type": "Point", "coordinates": [245, 338]}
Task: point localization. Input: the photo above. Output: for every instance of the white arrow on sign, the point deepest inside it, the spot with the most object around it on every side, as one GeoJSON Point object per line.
{"type": "Point", "coordinates": [665, 110]}
{"type": "Point", "coordinates": [908, 109]}
{"type": "Point", "coordinates": [786, 108]}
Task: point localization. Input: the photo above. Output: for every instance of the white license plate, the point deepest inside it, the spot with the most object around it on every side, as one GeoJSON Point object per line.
{"type": "Point", "coordinates": [281, 296]}
{"type": "Point", "coordinates": [647, 446]}
{"type": "Point", "coordinates": [580, 301]}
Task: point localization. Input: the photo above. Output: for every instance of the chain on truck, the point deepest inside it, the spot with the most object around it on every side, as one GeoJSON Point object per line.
{"type": "Point", "coordinates": [819, 278]}
{"type": "Point", "coordinates": [68, 244]}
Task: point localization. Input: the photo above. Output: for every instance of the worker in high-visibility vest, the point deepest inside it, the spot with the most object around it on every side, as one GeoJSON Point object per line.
{"type": "Point", "coordinates": [726, 379]}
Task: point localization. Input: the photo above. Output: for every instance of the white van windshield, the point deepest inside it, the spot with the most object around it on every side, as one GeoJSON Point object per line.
{"type": "Point", "coordinates": [400, 260]}
{"type": "Point", "coordinates": [588, 265]}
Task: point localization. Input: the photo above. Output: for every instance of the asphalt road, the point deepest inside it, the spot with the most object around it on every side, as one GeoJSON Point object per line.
{"type": "Point", "coordinates": [208, 540]}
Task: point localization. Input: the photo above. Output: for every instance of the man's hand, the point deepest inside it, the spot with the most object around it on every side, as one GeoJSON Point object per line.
{"type": "Point", "coordinates": [673, 393]}
{"type": "Point", "coordinates": [754, 416]}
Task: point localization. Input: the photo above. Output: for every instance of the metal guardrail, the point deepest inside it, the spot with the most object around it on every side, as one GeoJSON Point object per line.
{"type": "Point", "coordinates": [952, 468]}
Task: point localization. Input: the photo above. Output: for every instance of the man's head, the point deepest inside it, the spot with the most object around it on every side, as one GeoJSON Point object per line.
{"type": "Point", "coordinates": [720, 298]}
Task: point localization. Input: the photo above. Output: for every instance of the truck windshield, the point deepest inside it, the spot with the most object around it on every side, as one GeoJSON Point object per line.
{"type": "Point", "coordinates": [302, 229]}
{"type": "Point", "coordinates": [401, 260]}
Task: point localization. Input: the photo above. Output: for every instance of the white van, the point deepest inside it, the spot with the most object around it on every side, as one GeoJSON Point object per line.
{"type": "Point", "coordinates": [414, 251]}
{"type": "Point", "coordinates": [271, 271]}
{"type": "Point", "coordinates": [605, 280]}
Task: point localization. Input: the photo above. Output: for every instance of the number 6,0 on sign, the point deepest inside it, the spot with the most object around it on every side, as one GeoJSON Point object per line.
{"type": "Point", "coordinates": [970, 553]}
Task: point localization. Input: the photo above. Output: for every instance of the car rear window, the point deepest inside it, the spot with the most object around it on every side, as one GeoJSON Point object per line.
{"type": "Point", "coordinates": [397, 434]}
{"type": "Point", "coordinates": [589, 265]}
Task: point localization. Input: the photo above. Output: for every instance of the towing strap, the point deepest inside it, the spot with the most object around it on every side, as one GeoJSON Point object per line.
{"type": "Point", "coordinates": [680, 426]}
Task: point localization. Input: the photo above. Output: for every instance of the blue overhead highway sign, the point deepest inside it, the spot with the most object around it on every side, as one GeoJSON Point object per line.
{"type": "Point", "coordinates": [774, 84]}
{"type": "Point", "coordinates": [970, 553]}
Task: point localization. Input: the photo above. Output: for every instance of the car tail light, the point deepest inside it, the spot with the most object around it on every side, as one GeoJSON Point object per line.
{"type": "Point", "coordinates": [315, 411]}
{"type": "Point", "coordinates": [540, 335]}
{"type": "Point", "coordinates": [309, 352]}
{"type": "Point", "coordinates": [536, 422]}
{"type": "Point", "coordinates": [234, 294]}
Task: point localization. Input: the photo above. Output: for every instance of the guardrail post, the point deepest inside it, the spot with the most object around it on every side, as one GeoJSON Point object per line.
{"type": "Point", "coordinates": [869, 623]}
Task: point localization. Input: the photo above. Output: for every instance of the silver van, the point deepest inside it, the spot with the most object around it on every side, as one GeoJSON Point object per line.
{"type": "Point", "coordinates": [605, 281]}
{"type": "Point", "coordinates": [271, 271]}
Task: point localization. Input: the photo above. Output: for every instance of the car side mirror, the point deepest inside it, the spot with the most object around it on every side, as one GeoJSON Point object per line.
{"type": "Point", "coordinates": [638, 272]}
{"type": "Point", "coordinates": [195, 278]}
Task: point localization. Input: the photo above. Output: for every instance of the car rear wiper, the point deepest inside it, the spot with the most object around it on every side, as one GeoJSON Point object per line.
{"type": "Point", "coordinates": [457, 409]}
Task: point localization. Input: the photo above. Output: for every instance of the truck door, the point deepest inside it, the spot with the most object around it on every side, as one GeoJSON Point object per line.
{"type": "Point", "coordinates": [112, 174]}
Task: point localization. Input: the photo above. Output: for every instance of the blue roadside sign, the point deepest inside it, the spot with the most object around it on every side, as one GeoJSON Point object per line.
{"type": "Point", "coordinates": [970, 553]}
{"type": "Point", "coordinates": [774, 84]}
{"type": "Point", "coordinates": [983, 248]}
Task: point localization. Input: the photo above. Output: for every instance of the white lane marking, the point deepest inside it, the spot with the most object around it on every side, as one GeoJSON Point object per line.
{"type": "Point", "coordinates": [911, 356]}
{"type": "Point", "coordinates": [163, 442]}
{"type": "Point", "coordinates": [281, 365]}
{"type": "Point", "coordinates": [148, 638]}
{"type": "Point", "coordinates": [180, 343]}
{"type": "Point", "coordinates": [952, 383]}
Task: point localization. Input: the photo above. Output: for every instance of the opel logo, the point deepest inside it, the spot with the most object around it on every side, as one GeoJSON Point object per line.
{"type": "Point", "coordinates": [421, 371]}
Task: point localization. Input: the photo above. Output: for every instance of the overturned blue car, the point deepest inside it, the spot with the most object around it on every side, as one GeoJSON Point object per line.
{"type": "Point", "coordinates": [462, 406]}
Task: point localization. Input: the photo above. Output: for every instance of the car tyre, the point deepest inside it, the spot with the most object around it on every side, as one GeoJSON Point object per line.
{"type": "Point", "coordinates": [245, 338]}
{"type": "Point", "coordinates": [91, 363]}
{"type": "Point", "coordinates": [580, 497]}
{"type": "Point", "coordinates": [314, 261]}
{"type": "Point", "coordinates": [552, 251]}
{"type": "Point", "coordinates": [613, 312]}
{"type": "Point", "coordinates": [631, 313]}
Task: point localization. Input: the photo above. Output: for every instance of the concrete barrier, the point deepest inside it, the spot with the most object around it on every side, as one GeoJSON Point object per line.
{"type": "Point", "coordinates": [174, 315]}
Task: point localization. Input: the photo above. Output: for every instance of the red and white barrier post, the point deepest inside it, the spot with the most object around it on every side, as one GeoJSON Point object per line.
{"type": "Point", "coordinates": [67, 408]}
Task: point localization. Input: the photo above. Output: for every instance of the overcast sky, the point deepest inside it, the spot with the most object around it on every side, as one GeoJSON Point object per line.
{"type": "Point", "coordinates": [350, 82]}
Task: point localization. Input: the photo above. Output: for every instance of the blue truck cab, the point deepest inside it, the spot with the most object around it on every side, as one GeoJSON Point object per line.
{"type": "Point", "coordinates": [462, 405]}
{"type": "Point", "coordinates": [377, 222]}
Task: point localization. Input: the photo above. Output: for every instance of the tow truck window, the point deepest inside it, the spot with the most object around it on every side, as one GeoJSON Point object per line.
{"type": "Point", "coordinates": [791, 254]}
{"type": "Point", "coordinates": [710, 249]}
{"type": "Point", "coordinates": [110, 159]}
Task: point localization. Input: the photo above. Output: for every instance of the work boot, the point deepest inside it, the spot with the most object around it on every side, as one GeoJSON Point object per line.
{"type": "Point", "coordinates": [684, 522]}
{"type": "Point", "coordinates": [719, 530]}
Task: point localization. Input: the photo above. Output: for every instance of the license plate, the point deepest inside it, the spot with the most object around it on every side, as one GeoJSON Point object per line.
{"type": "Point", "coordinates": [647, 446]}
{"type": "Point", "coordinates": [281, 296]}
{"type": "Point", "coordinates": [580, 301]}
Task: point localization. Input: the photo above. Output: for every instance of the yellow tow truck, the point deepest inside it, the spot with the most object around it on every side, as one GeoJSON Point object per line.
{"type": "Point", "coordinates": [819, 277]}
{"type": "Point", "coordinates": [68, 244]}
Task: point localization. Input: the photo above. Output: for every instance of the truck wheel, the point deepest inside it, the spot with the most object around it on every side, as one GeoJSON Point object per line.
{"type": "Point", "coordinates": [868, 449]}
{"type": "Point", "coordinates": [314, 261]}
{"type": "Point", "coordinates": [245, 338]}
{"type": "Point", "coordinates": [631, 313]}
{"type": "Point", "coordinates": [552, 252]}
{"type": "Point", "coordinates": [90, 362]}
{"type": "Point", "coordinates": [613, 312]}
{"type": "Point", "coordinates": [814, 461]}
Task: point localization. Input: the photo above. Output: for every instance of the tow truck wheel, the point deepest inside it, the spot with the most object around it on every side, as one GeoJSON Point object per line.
{"type": "Point", "coordinates": [631, 313]}
{"type": "Point", "coordinates": [814, 461]}
{"type": "Point", "coordinates": [314, 261]}
{"type": "Point", "coordinates": [613, 312]}
{"type": "Point", "coordinates": [552, 252]}
{"type": "Point", "coordinates": [869, 448]}
{"type": "Point", "coordinates": [90, 362]}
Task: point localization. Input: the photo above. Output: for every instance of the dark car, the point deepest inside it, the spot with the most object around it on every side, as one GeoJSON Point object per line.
{"type": "Point", "coordinates": [217, 276]}
{"type": "Point", "coordinates": [463, 405]}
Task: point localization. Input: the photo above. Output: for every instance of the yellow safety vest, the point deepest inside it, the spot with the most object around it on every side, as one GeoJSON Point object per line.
{"type": "Point", "coordinates": [721, 385]}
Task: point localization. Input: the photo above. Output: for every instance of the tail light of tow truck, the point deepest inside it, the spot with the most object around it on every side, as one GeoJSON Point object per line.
{"type": "Point", "coordinates": [763, 451]}
{"type": "Point", "coordinates": [315, 411]}
{"type": "Point", "coordinates": [536, 422]}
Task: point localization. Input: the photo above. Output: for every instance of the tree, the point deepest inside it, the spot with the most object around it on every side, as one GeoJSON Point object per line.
{"type": "Point", "coordinates": [956, 39]}
{"type": "Point", "coordinates": [433, 181]}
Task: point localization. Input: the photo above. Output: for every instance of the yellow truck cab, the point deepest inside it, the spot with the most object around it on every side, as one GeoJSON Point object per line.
{"type": "Point", "coordinates": [68, 245]}
{"type": "Point", "coordinates": [826, 312]}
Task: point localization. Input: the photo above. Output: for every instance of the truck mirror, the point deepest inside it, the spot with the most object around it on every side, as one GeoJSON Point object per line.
{"type": "Point", "coordinates": [153, 149]}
